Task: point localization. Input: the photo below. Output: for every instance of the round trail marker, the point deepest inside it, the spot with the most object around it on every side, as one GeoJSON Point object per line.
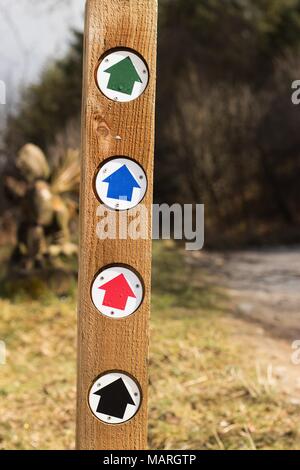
{"type": "Point", "coordinates": [121, 183]}
{"type": "Point", "coordinates": [117, 292]}
{"type": "Point", "coordinates": [122, 75]}
{"type": "Point", "coordinates": [114, 398]}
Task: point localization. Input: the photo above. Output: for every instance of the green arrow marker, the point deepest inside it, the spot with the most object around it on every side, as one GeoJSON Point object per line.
{"type": "Point", "coordinates": [123, 76]}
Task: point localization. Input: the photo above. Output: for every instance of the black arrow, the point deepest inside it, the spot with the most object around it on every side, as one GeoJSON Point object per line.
{"type": "Point", "coordinates": [114, 399]}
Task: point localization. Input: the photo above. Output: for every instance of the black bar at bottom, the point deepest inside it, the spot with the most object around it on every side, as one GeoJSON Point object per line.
{"type": "Point", "coordinates": [134, 459]}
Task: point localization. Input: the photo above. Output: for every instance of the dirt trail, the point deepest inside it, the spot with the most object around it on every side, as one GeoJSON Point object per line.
{"type": "Point", "coordinates": [264, 285]}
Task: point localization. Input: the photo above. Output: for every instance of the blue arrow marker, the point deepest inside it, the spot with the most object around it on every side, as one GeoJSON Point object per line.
{"type": "Point", "coordinates": [121, 184]}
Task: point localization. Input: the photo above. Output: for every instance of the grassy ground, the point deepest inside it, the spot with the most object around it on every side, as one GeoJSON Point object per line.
{"type": "Point", "coordinates": [206, 389]}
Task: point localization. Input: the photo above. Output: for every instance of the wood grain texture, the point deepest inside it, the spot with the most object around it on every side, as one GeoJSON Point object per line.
{"type": "Point", "coordinates": [105, 344]}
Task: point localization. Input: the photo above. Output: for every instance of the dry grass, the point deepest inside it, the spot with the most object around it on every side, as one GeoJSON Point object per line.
{"type": "Point", "coordinates": [207, 391]}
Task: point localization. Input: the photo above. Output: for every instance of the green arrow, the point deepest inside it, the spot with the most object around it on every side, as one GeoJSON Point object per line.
{"type": "Point", "coordinates": [123, 76]}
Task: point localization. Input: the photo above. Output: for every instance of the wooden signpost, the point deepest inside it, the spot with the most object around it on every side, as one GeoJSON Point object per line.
{"type": "Point", "coordinates": [114, 274]}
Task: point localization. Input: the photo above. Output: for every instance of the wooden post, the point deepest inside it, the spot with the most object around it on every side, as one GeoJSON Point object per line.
{"type": "Point", "coordinates": [113, 128]}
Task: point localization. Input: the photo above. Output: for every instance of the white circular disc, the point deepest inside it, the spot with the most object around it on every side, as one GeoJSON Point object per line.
{"type": "Point", "coordinates": [122, 76]}
{"type": "Point", "coordinates": [121, 184]}
{"type": "Point", "coordinates": [115, 398]}
{"type": "Point", "coordinates": [117, 292]}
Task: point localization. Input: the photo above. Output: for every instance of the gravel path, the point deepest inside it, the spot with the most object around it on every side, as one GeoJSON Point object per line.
{"type": "Point", "coordinates": [264, 285]}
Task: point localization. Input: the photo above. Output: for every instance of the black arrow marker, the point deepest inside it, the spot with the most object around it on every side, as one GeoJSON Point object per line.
{"type": "Point", "coordinates": [114, 399]}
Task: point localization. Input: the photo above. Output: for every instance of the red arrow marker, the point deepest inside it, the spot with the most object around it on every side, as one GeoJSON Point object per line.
{"type": "Point", "coordinates": [117, 292]}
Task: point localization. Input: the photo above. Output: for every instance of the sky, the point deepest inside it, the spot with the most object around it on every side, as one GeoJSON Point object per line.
{"type": "Point", "coordinates": [33, 32]}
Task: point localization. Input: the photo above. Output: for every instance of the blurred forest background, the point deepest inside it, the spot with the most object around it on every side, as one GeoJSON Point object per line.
{"type": "Point", "coordinates": [227, 136]}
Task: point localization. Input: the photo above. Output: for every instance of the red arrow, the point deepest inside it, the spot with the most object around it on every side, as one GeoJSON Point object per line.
{"type": "Point", "coordinates": [117, 292]}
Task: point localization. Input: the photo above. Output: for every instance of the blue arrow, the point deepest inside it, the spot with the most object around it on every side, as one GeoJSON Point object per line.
{"type": "Point", "coordinates": [121, 184]}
